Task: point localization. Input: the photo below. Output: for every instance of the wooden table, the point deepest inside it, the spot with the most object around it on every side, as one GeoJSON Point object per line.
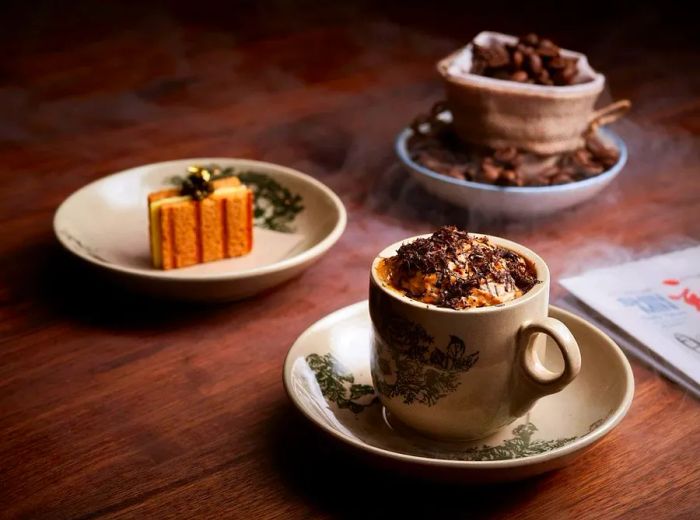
{"type": "Point", "coordinates": [115, 406]}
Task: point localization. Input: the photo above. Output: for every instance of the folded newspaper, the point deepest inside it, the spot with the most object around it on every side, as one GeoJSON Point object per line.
{"type": "Point", "coordinates": [651, 307]}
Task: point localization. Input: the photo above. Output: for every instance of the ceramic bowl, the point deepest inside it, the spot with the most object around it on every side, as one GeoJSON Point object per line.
{"type": "Point", "coordinates": [509, 201]}
{"type": "Point", "coordinates": [106, 224]}
{"type": "Point", "coordinates": [327, 377]}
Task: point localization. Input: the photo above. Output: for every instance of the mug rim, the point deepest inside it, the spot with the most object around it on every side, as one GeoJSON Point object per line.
{"type": "Point", "coordinates": [541, 270]}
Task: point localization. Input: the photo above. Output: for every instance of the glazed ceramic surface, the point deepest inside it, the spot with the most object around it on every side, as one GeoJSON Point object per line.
{"type": "Point", "coordinates": [509, 201]}
{"type": "Point", "coordinates": [464, 373]}
{"type": "Point", "coordinates": [327, 376]}
{"type": "Point", "coordinates": [106, 224]}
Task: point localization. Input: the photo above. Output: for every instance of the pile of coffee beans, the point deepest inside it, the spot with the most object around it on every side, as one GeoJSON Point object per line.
{"type": "Point", "coordinates": [532, 60]}
{"type": "Point", "coordinates": [440, 150]}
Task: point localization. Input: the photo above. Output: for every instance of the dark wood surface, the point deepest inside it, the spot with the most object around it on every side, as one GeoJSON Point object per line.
{"type": "Point", "coordinates": [115, 406]}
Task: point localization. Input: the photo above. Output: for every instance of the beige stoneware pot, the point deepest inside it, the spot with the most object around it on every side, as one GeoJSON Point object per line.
{"type": "Point", "coordinates": [500, 113]}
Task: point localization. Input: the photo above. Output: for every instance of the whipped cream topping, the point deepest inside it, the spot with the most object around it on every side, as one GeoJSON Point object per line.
{"type": "Point", "coordinates": [454, 269]}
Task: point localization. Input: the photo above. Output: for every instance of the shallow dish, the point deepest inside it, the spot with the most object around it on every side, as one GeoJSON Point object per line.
{"type": "Point", "coordinates": [509, 201]}
{"type": "Point", "coordinates": [327, 376]}
{"type": "Point", "coordinates": [106, 224]}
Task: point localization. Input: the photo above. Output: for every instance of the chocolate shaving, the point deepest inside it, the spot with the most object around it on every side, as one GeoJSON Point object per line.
{"type": "Point", "coordinates": [457, 264]}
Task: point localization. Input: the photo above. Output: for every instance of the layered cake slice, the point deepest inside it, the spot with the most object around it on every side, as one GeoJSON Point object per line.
{"type": "Point", "coordinates": [187, 230]}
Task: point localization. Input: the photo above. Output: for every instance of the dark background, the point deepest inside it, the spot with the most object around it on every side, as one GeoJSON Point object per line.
{"type": "Point", "coordinates": [634, 41]}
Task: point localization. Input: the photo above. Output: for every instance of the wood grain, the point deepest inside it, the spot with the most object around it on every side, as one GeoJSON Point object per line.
{"type": "Point", "coordinates": [118, 407]}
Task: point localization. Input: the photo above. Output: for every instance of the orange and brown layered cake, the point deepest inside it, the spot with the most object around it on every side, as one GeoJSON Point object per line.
{"type": "Point", "coordinates": [211, 221]}
{"type": "Point", "coordinates": [454, 269]}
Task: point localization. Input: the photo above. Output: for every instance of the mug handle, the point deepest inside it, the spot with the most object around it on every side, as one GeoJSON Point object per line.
{"type": "Point", "coordinates": [540, 377]}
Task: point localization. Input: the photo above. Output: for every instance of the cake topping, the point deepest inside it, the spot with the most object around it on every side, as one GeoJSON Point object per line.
{"type": "Point", "coordinates": [453, 269]}
{"type": "Point", "coordinates": [198, 183]}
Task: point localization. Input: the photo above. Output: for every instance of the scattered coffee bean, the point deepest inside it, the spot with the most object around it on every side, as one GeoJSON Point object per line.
{"type": "Point", "coordinates": [510, 178]}
{"type": "Point", "coordinates": [506, 155]}
{"type": "Point", "coordinates": [489, 173]}
{"type": "Point", "coordinates": [440, 150]}
{"type": "Point", "coordinates": [561, 178]}
{"type": "Point", "coordinates": [520, 76]}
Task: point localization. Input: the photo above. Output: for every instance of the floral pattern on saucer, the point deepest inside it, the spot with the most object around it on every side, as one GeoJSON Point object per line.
{"type": "Point", "coordinates": [332, 379]}
{"type": "Point", "coordinates": [333, 356]}
{"type": "Point", "coordinates": [340, 390]}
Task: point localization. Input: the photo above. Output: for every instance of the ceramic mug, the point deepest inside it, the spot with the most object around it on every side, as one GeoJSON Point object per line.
{"type": "Point", "coordinates": [464, 374]}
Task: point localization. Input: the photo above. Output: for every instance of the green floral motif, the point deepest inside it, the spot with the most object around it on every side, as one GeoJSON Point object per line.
{"type": "Point", "coordinates": [275, 207]}
{"type": "Point", "coordinates": [333, 381]}
{"type": "Point", "coordinates": [597, 424]}
{"type": "Point", "coordinates": [521, 445]}
{"type": "Point", "coordinates": [423, 372]}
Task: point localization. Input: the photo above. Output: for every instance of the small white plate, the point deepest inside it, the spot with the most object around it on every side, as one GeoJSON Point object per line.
{"type": "Point", "coordinates": [327, 376]}
{"type": "Point", "coordinates": [106, 224]}
{"type": "Point", "coordinates": [509, 201]}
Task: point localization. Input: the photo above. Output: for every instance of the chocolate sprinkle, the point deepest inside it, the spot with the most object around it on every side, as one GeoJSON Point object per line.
{"type": "Point", "coordinates": [460, 264]}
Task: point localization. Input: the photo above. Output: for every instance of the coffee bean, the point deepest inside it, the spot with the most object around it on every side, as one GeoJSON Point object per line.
{"type": "Point", "coordinates": [490, 173]}
{"type": "Point", "coordinates": [457, 172]}
{"type": "Point", "coordinates": [547, 48]}
{"type": "Point", "coordinates": [506, 155]}
{"type": "Point", "coordinates": [543, 78]}
{"type": "Point", "coordinates": [517, 59]}
{"type": "Point", "coordinates": [591, 170]}
{"type": "Point", "coordinates": [531, 60]}
{"type": "Point", "coordinates": [440, 150]}
{"type": "Point", "coordinates": [524, 49]}
{"type": "Point", "coordinates": [561, 178]}
{"type": "Point", "coordinates": [557, 62]}
{"type": "Point", "coordinates": [535, 63]}
{"type": "Point", "coordinates": [499, 56]}
{"type": "Point", "coordinates": [530, 39]}
{"type": "Point", "coordinates": [509, 178]}
{"type": "Point", "coordinates": [568, 73]}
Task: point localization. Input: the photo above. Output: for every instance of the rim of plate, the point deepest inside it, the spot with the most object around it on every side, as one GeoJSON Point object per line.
{"type": "Point", "coordinates": [582, 442]}
{"type": "Point", "coordinates": [401, 147]}
{"type": "Point", "coordinates": [326, 243]}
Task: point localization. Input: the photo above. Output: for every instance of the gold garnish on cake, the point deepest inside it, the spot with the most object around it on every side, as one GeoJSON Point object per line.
{"type": "Point", "coordinates": [206, 219]}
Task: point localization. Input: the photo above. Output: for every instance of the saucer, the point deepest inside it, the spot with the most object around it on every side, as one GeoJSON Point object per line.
{"type": "Point", "coordinates": [508, 201]}
{"type": "Point", "coordinates": [106, 224]}
{"type": "Point", "coordinates": [327, 376]}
